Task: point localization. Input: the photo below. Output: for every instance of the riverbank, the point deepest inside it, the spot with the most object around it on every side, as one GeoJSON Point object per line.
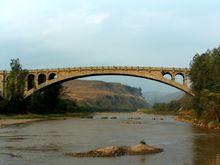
{"type": "Point", "coordinates": [186, 116]}
{"type": "Point", "coordinates": [7, 120]}
{"type": "Point", "coordinates": [153, 112]}
{"type": "Point", "coordinates": [198, 123]}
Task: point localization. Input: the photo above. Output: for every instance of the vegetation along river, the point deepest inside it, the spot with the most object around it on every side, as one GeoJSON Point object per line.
{"type": "Point", "coordinates": [46, 142]}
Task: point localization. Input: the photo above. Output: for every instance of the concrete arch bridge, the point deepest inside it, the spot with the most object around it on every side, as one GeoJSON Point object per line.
{"type": "Point", "coordinates": [40, 79]}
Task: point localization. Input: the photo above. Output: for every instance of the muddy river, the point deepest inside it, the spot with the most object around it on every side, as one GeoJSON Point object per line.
{"type": "Point", "coordinates": [46, 142]}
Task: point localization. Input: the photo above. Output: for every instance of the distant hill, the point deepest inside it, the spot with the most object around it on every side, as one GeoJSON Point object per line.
{"type": "Point", "coordinates": [162, 97]}
{"type": "Point", "coordinates": [104, 96]}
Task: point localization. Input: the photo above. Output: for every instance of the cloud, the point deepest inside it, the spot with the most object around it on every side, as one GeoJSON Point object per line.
{"type": "Point", "coordinates": [45, 33]}
{"type": "Point", "coordinates": [98, 18]}
{"type": "Point", "coordinates": [97, 33]}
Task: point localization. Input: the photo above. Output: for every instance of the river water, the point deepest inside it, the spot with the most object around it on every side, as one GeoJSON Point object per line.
{"type": "Point", "coordinates": [46, 142]}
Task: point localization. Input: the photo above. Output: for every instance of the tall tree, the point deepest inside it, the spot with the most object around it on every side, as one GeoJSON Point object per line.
{"type": "Point", "coordinates": [15, 86]}
{"type": "Point", "coordinates": [205, 77]}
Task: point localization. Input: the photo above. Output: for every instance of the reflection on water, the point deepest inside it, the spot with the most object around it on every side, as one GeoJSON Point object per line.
{"type": "Point", "coordinates": [206, 145]}
{"type": "Point", "coordinates": [47, 142]}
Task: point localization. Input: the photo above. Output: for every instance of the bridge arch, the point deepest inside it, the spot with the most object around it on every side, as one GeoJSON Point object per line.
{"type": "Point", "coordinates": [41, 78]}
{"type": "Point", "coordinates": [181, 74]}
{"type": "Point", "coordinates": [52, 76]}
{"type": "Point", "coordinates": [180, 78]}
{"type": "Point", "coordinates": [67, 76]}
{"type": "Point", "coordinates": [168, 75]}
{"type": "Point", "coordinates": [30, 81]}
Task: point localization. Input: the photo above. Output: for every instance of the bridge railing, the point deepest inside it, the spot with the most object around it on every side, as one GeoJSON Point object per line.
{"type": "Point", "coordinates": [109, 68]}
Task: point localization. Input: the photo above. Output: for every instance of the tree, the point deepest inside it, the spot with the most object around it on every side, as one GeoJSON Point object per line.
{"type": "Point", "coordinates": [51, 97]}
{"type": "Point", "coordinates": [46, 101]}
{"type": "Point", "coordinates": [37, 104]}
{"type": "Point", "coordinates": [15, 86]}
{"type": "Point", "coordinates": [205, 77]}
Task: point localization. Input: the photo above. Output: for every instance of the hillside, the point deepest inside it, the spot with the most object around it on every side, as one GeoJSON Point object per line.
{"type": "Point", "coordinates": [161, 97]}
{"type": "Point", "coordinates": [103, 96]}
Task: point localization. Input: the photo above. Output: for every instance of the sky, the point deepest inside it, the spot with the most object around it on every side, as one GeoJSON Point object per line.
{"type": "Point", "coordinates": [56, 34]}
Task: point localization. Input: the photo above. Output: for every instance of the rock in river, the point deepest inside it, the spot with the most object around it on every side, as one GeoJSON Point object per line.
{"type": "Point", "coordinates": [112, 151]}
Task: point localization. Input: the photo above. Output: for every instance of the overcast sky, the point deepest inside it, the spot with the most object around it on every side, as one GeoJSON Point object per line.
{"type": "Point", "coordinates": [68, 33]}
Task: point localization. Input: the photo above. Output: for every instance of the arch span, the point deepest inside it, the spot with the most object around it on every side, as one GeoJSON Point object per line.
{"type": "Point", "coordinates": [156, 74]}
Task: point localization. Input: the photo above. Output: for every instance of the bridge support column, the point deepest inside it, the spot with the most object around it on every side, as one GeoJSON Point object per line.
{"type": "Point", "coordinates": [173, 76]}
{"type": "Point", "coordinates": [185, 82]}
{"type": "Point", "coordinates": [47, 78]}
{"type": "Point", "coordinates": [36, 81]}
{"type": "Point", "coordinates": [26, 85]}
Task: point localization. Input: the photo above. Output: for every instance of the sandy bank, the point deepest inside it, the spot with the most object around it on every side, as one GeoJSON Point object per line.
{"type": "Point", "coordinates": [7, 122]}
